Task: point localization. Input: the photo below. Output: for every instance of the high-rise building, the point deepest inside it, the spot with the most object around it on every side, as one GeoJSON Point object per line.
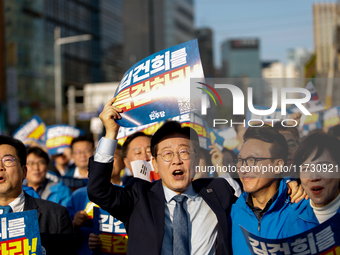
{"type": "Point", "coordinates": [205, 43]}
{"type": "Point", "coordinates": [153, 25]}
{"type": "Point", "coordinates": [324, 35]}
{"type": "Point", "coordinates": [241, 58]}
{"type": "Point", "coordinates": [29, 39]}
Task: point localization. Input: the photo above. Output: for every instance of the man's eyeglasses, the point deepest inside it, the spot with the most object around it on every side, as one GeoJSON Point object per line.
{"type": "Point", "coordinates": [250, 161]}
{"type": "Point", "coordinates": [168, 155]}
{"type": "Point", "coordinates": [38, 163]}
{"type": "Point", "coordinates": [8, 161]}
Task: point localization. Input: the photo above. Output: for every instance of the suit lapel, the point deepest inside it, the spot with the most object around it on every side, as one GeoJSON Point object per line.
{"type": "Point", "coordinates": [30, 204]}
{"type": "Point", "coordinates": [157, 206]}
{"type": "Point", "coordinates": [210, 197]}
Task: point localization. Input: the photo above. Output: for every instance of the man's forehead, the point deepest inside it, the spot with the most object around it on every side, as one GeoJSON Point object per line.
{"type": "Point", "coordinates": [174, 140]}
{"type": "Point", "coordinates": [255, 146]}
{"type": "Point", "coordinates": [6, 149]}
{"type": "Point", "coordinates": [140, 141]}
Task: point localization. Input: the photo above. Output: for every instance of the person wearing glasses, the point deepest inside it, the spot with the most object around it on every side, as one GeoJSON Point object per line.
{"type": "Point", "coordinates": [54, 221]}
{"type": "Point", "coordinates": [173, 215]}
{"type": "Point", "coordinates": [262, 208]}
{"type": "Point", "coordinates": [37, 167]}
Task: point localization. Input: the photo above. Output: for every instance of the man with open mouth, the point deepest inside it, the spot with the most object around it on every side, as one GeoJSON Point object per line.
{"type": "Point", "coordinates": [174, 215]}
{"type": "Point", "coordinates": [54, 221]}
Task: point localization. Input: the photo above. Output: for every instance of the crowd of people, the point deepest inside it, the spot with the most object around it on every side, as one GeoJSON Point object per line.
{"type": "Point", "coordinates": [181, 211]}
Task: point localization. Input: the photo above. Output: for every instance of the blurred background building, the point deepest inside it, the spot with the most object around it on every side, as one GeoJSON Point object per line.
{"type": "Point", "coordinates": [126, 31]}
{"type": "Point", "coordinates": [241, 58]}
{"type": "Point", "coordinates": [29, 39]}
{"type": "Point", "coordinates": [27, 83]}
{"type": "Point", "coordinates": [324, 32]}
{"type": "Point", "coordinates": [205, 41]}
{"type": "Point", "coordinates": [155, 26]}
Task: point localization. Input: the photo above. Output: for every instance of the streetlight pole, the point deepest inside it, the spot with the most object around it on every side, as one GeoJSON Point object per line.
{"type": "Point", "coordinates": [58, 70]}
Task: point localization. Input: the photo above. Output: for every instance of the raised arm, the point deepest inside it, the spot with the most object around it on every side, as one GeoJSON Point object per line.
{"type": "Point", "coordinates": [116, 200]}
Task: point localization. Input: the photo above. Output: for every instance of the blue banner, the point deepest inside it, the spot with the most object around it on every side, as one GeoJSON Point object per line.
{"type": "Point", "coordinates": [111, 232]}
{"type": "Point", "coordinates": [158, 87]}
{"type": "Point", "coordinates": [323, 239]}
{"type": "Point", "coordinates": [32, 130]}
{"type": "Point", "coordinates": [331, 117]}
{"type": "Point", "coordinates": [20, 233]}
{"type": "Point", "coordinates": [59, 137]}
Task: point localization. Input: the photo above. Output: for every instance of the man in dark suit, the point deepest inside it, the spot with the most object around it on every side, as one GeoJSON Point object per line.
{"type": "Point", "coordinates": [174, 215]}
{"type": "Point", "coordinates": [54, 221]}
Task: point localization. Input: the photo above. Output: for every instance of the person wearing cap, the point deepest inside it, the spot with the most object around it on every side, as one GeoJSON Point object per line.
{"type": "Point", "coordinates": [174, 215]}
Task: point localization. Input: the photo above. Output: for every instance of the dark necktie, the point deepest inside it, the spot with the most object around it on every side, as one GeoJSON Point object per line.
{"type": "Point", "coordinates": [5, 209]}
{"type": "Point", "coordinates": [180, 228]}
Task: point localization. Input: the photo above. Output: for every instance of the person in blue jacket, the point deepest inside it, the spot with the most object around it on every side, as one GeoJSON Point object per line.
{"type": "Point", "coordinates": [37, 162]}
{"type": "Point", "coordinates": [317, 159]}
{"type": "Point", "coordinates": [81, 210]}
{"type": "Point", "coordinates": [264, 206]}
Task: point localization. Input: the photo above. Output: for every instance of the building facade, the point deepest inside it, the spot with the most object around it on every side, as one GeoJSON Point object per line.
{"type": "Point", "coordinates": [205, 44]}
{"type": "Point", "coordinates": [241, 58]}
{"type": "Point", "coordinates": [29, 40]}
{"type": "Point", "coordinates": [154, 25]}
{"type": "Point", "coordinates": [324, 35]}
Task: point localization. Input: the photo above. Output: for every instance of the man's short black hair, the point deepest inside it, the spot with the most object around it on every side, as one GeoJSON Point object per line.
{"type": "Point", "coordinates": [129, 139]}
{"type": "Point", "coordinates": [18, 145]}
{"type": "Point", "coordinates": [279, 127]}
{"type": "Point", "coordinates": [83, 138]}
{"type": "Point", "coordinates": [279, 147]}
{"type": "Point", "coordinates": [169, 128]}
{"type": "Point", "coordinates": [38, 152]}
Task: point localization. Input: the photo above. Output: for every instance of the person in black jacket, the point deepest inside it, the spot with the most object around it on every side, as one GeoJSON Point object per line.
{"type": "Point", "coordinates": [54, 221]}
{"type": "Point", "coordinates": [155, 214]}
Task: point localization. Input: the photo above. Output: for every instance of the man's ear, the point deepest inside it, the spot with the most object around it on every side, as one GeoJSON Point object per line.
{"type": "Point", "coordinates": [280, 163]}
{"type": "Point", "coordinates": [154, 164]}
{"type": "Point", "coordinates": [24, 170]}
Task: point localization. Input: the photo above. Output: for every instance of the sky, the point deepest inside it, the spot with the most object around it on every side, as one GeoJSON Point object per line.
{"type": "Point", "coordinates": [279, 24]}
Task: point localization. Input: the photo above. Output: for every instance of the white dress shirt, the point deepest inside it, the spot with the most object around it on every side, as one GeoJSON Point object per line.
{"type": "Point", "coordinates": [202, 221]}
{"type": "Point", "coordinates": [17, 204]}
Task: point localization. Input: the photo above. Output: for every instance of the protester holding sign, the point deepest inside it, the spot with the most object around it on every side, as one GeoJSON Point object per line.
{"type": "Point", "coordinates": [37, 162]}
{"type": "Point", "coordinates": [81, 209]}
{"type": "Point", "coordinates": [317, 160]}
{"type": "Point", "coordinates": [151, 208]}
{"type": "Point", "coordinates": [54, 222]}
{"type": "Point", "coordinates": [217, 161]}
